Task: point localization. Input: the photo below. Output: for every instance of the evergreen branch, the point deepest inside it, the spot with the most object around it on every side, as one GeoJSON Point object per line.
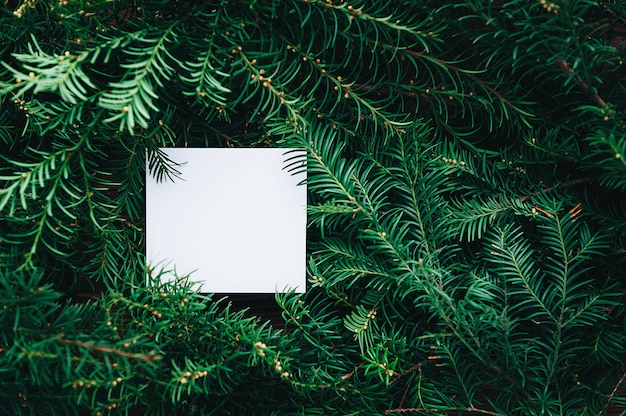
{"type": "Point", "coordinates": [437, 410]}
{"type": "Point", "coordinates": [514, 259]}
{"type": "Point", "coordinates": [133, 97]}
{"type": "Point", "coordinates": [388, 22]}
{"type": "Point", "coordinates": [296, 320]}
{"type": "Point", "coordinates": [475, 216]}
{"type": "Point", "coordinates": [150, 357]}
{"type": "Point", "coordinates": [340, 186]}
{"type": "Point", "coordinates": [279, 98]}
{"type": "Point", "coordinates": [574, 182]}
{"type": "Point", "coordinates": [206, 84]}
{"type": "Point", "coordinates": [613, 393]}
{"type": "Point", "coordinates": [347, 90]}
{"type": "Point", "coordinates": [461, 72]}
{"type": "Point", "coordinates": [467, 389]}
{"type": "Point", "coordinates": [418, 367]}
{"type": "Point", "coordinates": [597, 298]}
{"type": "Point", "coordinates": [595, 97]}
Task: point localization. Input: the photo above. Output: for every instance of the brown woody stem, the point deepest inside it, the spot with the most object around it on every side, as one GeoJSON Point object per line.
{"type": "Point", "coordinates": [150, 357]}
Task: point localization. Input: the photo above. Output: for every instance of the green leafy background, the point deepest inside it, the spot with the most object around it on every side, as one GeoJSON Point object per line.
{"type": "Point", "coordinates": [466, 180]}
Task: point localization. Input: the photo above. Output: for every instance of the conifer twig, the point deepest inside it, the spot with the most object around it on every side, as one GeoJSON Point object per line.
{"type": "Point", "coordinates": [433, 410]}
{"type": "Point", "coordinates": [613, 393]}
{"type": "Point", "coordinates": [150, 357]}
{"type": "Point", "coordinates": [578, 181]}
{"type": "Point", "coordinates": [459, 71]}
{"type": "Point", "coordinates": [564, 66]}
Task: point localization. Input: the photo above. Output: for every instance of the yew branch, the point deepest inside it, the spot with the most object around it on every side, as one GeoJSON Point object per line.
{"type": "Point", "coordinates": [150, 357]}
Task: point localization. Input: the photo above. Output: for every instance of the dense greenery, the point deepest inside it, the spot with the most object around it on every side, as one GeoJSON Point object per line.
{"type": "Point", "coordinates": [467, 226]}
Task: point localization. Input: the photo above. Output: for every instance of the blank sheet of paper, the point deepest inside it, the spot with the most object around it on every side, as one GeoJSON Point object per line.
{"type": "Point", "coordinates": [235, 218]}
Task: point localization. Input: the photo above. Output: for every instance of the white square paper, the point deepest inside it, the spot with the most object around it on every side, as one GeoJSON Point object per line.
{"type": "Point", "coordinates": [236, 218]}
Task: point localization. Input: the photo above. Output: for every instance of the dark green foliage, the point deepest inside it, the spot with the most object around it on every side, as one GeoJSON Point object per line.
{"type": "Point", "coordinates": [466, 175]}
